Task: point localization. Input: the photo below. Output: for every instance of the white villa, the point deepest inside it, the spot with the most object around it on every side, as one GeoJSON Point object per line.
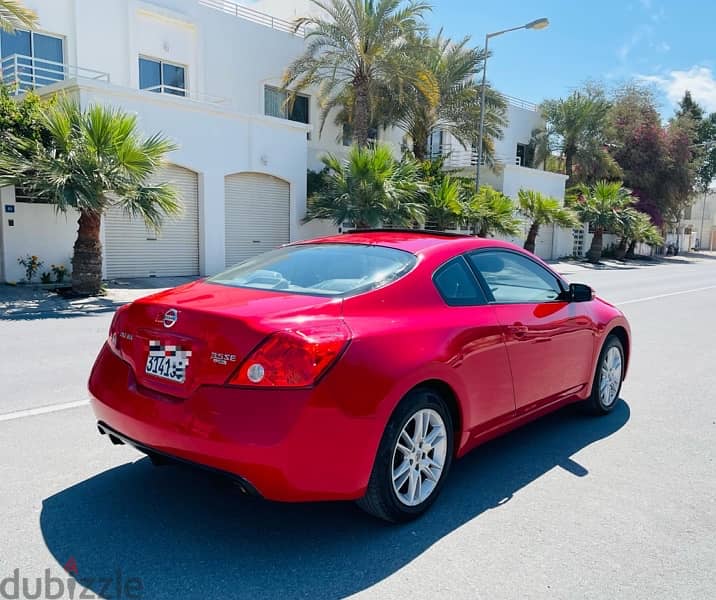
{"type": "Point", "coordinates": [206, 74]}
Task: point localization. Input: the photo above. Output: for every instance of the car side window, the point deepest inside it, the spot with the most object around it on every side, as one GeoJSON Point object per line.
{"type": "Point", "coordinates": [457, 284]}
{"type": "Point", "coordinates": [512, 278]}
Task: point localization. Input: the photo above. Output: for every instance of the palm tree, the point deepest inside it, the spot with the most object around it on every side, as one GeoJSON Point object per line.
{"type": "Point", "coordinates": [543, 210]}
{"type": "Point", "coordinates": [457, 112]}
{"type": "Point", "coordinates": [95, 160]}
{"type": "Point", "coordinates": [13, 15]}
{"type": "Point", "coordinates": [634, 226]}
{"type": "Point", "coordinates": [600, 205]}
{"type": "Point", "coordinates": [578, 122]}
{"type": "Point", "coordinates": [489, 212]}
{"type": "Point", "coordinates": [443, 203]}
{"type": "Point", "coordinates": [362, 47]}
{"type": "Point", "coordinates": [369, 188]}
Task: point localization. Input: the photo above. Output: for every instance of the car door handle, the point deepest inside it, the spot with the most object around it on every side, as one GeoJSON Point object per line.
{"type": "Point", "coordinates": [518, 330]}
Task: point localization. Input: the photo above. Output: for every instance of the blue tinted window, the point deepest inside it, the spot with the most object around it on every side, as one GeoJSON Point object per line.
{"type": "Point", "coordinates": [150, 74]}
{"type": "Point", "coordinates": [161, 77]}
{"type": "Point", "coordinates": [16, 43]}
{"type": "Point", "coordinates": [513, 278]}
{"type": "Point", "coordinates": [457, 285]}
{"type": "Point", "coordinates": [47, 52]}
{"type": "Point", "coordinates": [173, 79]}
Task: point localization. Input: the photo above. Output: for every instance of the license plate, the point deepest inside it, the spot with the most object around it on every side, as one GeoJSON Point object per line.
{"type": "Point", "coordinates": [168, 362]}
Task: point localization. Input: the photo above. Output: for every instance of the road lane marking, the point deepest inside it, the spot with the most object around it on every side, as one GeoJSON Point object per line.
{"type": "Point", "coordinates": [701, 289]}
{"type": "Point", "coordinates": [42, 410]}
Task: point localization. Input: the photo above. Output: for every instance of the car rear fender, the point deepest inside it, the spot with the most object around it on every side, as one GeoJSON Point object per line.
{"type": "Point", "coordinates": [443, 380]}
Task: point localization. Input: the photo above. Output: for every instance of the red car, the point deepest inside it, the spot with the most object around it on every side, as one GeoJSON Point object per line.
{"type": "Point", "coordinates": [355, 367]}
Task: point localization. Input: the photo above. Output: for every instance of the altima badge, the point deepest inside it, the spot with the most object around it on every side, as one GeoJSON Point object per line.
{"type": "Point", "coordinates": [223, 359]}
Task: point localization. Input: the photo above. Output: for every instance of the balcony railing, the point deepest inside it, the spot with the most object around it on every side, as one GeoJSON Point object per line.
{"type": "Point", "coordinates": [255, 16]}
{"type": "Point", "coordinates": [520, 103]}
{"type": "Point", "coordinates": [184, 93]}
{"type": "Point", "coordinates": [23, 73]}
{"type": "Point", "coordinates": [457, 157]}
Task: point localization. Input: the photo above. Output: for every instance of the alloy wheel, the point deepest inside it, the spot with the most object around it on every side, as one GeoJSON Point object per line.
{"type": "Point", "coordinates": [419, 457]}
{"type": "Point", "coordinates": [611, 376]}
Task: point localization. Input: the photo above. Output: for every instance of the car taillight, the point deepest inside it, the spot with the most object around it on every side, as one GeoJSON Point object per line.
{"type": "Point", "coordinates": [295, 358]}
{"type": "Point", "coordinates": [114, 339]}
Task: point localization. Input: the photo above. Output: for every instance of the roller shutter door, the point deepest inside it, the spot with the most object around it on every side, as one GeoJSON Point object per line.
{"type": "Point", "coordinates": [257, 215]}
{"type": "Point", "coordinates": [133, 250]}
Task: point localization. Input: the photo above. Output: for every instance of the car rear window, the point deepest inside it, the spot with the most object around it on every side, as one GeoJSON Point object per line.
{"type": "Point", "coordinates": [320, 269]}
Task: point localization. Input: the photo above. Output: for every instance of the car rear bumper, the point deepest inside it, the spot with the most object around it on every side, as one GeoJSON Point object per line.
{"type": "Point", "coordinates": [284, 445]}
{"type": "Point", "coordinates": [118, 437]}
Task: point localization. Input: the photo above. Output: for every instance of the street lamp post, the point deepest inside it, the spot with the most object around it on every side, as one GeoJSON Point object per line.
{"type": "Point", "coordinates": [537, 24]}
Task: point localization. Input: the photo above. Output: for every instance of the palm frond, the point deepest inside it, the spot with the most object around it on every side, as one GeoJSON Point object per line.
{"type": "Point", "coordinates": [14, 15]}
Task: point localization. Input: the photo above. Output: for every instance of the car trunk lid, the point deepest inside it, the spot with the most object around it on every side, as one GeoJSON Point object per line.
{"type": "Point", "coordinates": [200, 333]}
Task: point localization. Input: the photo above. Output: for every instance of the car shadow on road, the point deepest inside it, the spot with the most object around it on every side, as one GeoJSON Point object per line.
{"type": "Point", "coordinates": [187, 533]}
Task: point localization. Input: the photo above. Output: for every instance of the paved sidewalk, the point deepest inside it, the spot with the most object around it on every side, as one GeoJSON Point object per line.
{"type": "Point", "coordinates": [570, 266]}
{"type": "Point", "coordinates": [29, 302]}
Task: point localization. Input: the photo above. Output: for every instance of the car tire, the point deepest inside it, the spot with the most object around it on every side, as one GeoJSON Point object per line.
{"type": "Point", "coordinates": [407, 476]}
{"type": "Point", "coordinates": [608, 378]}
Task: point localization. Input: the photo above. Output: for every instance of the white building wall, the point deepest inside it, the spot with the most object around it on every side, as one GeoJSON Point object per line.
{"type": "Point", "coordinates": [37, 230]}
{"type": "Point", "coordinates": [215, 143]}
{"type": "Point", "coordinates": [519, 131]}
{"type": "Point", "coordinates": [702, 221]}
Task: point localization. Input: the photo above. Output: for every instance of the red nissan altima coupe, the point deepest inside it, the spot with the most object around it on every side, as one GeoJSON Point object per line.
{"type": "Point", "coordinates": [355, 367]}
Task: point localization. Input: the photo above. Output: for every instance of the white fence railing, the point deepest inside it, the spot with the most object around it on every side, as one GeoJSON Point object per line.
{"type": "Point", "coordinates": [520, 103]}
{"type": "Point", "coordinates": [457, 157]}
{"type": "Point", "coordinates": [255, 16]}
{"type": "Point", "coordinates": [26, 73]}
{"type": "Point", "coordinates": [184, 93]}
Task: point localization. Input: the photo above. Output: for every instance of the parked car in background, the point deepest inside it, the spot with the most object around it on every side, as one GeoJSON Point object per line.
{"type": "Point", "coordinates": [355, 367]}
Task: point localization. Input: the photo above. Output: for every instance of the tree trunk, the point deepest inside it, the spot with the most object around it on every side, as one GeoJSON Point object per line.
{"type": "Point", "coordinates": [531, 240]}
{"type": "Point", "coordinates": [568, 158]}
{"type": "Point", "coordinates": [87, 257]}
{"type": "Point", "coordinates": [630, 251]}
{"type": "Point", "coordinates": [420, 149]}
{"type": "Point", "coordinates": [595, 250]}
{"type": "Point", "coordinates": [361, 112]}
{"type": "Point", "coordinates": [621, 249]}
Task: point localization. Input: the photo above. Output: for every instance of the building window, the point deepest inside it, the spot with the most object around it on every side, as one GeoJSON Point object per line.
{"type": "Point", "coordinates": [521, 155]}
{"type": "Point", "coordinates": [31, 59]}
{"type": "Point", "coordinates": [275, 105]}
{"type": "Point", "coordinates": [161, 77]}
{"type": "Point", "coordinates": [347, 134]}
{"type": "Point", "coordinates": [23, 195]}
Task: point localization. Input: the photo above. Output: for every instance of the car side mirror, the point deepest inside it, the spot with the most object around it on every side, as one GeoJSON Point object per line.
{"type": "Point", "coordinates": [580, 292]}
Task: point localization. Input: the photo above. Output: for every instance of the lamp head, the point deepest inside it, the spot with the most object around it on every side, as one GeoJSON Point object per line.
{"type": "Point", "coordinates": [538, 24]}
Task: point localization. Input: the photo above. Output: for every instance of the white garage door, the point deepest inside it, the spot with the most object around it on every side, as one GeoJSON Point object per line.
{"type": "Point", "coordinates": [133, 250]}
{"type": "Point", "coordinates": [257, 215]}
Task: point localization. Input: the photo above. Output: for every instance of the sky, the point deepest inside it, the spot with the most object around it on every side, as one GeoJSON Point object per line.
{"type": "Point", "coordinates": [667, 44]}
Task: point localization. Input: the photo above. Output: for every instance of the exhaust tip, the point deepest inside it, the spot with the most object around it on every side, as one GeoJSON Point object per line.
{"type": "Point", "coordinates": [115, 440]}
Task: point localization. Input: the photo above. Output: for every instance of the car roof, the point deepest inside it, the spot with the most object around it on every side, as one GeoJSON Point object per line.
{"type": "Point", "coordinates": [410, 240]}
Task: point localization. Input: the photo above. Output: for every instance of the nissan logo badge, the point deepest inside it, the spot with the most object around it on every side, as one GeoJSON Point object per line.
{"type": "Point", "coordinates": [170, 317]}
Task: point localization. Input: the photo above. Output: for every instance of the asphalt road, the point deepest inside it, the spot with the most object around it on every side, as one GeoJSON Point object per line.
{"type": "Point", "coordinates": [567, 507]}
